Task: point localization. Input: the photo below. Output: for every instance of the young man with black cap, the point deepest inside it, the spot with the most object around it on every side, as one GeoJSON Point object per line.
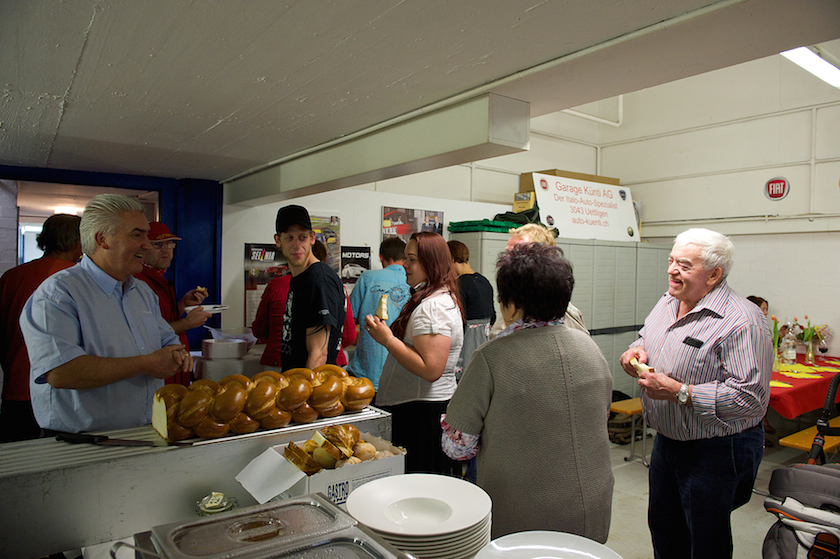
{"type": "Point", "coordinates": [314, 311]}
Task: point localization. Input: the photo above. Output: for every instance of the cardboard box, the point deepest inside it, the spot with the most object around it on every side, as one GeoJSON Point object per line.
{"type": "Point", "coordinates": [270, 475]}
{"type": "Point", "coordinates": [526, 180]}
{"type": "Point", "coordinates": [524, 201]}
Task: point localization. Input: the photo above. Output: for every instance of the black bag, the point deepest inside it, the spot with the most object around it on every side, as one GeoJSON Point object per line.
{"type": "Point", "coordinates": [806, 500]}
{"type": "Point", "coordinates": [531, 215]}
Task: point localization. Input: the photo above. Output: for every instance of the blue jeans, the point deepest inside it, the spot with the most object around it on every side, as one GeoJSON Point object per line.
{"type": "Point", "coordinates": [694, 486]}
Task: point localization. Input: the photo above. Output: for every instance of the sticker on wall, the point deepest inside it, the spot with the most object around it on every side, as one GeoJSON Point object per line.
{"type": "Point", "coordinates": [776, 188]}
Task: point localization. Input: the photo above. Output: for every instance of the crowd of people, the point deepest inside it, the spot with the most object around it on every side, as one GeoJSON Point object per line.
{"type": "Point", "coordinates": [523, 397]}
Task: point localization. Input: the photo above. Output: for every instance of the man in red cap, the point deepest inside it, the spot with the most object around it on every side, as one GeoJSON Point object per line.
{"type": "Point", "coordinates": [155, 263]}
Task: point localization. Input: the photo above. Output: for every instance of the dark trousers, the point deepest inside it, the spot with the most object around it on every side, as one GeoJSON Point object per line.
{"type": "Point", "coordinates": [694, 486]}
{"type": "Point", "coordinates": [17, 422]}
{"type": "Point", "coordinates": [416, 427]}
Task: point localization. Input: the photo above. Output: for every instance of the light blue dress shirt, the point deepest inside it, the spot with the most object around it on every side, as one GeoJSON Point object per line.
{"type": "Point", "coordinates": [369, 357]}
{"type": "Point", "coordinates": [84, 311]}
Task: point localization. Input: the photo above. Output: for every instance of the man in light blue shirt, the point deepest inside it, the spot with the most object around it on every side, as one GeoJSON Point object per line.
{"type": "Point", "coordinates": [369, 357]}
{"type": "Point", "coordinates": [97, 343]}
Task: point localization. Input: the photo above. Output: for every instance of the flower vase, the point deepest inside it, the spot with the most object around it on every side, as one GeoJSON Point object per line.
{"type": "Point", "coordinates": [809, 352]}
{"type": "Point", "coordinates": [777, 360]}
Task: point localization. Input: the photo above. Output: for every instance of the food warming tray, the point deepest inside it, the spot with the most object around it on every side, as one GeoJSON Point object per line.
{"type": "Point", "coordinates": [306, 527]}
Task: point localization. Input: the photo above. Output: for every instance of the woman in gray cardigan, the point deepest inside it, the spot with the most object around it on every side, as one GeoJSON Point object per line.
{"type": "Point", "coordinates": [533, 404]}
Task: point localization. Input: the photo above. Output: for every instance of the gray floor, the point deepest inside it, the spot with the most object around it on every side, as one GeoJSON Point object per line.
{"type": "Point", "coordinates": [629, 536]}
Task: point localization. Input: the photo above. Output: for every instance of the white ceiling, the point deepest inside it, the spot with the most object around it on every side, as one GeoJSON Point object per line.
{"type": "Point", "coordinates": [213, 89]}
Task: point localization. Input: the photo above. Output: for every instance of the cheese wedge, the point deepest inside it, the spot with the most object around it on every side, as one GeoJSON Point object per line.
{"type": "Point", "coordinates": [382, 309]}
{"type": "Point", "coordinates": [641, 367]}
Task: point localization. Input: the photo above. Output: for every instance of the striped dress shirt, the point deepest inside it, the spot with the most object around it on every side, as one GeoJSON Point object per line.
{"type": "Point", "coordinates": [723, 349]}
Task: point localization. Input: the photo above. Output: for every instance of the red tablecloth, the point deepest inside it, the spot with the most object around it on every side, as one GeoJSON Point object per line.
{"type": "Point", "coordinates": [803, 394]}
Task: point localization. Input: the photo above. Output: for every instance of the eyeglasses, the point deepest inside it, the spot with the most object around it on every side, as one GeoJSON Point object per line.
{"type": "Point", "coordinates": [158, 246]}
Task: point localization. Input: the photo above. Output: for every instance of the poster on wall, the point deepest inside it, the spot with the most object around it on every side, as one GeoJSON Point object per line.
{"type": "Point", "coordinates": [354, 262]}
{"type": "Point", "coordinates": [402, 222]}
{"type": "Point", "coordinates": [582, 209]}
{"type": "Point", "coordinates": [328, 231]}
{"type": "Point", "coordinates": [263, 263]}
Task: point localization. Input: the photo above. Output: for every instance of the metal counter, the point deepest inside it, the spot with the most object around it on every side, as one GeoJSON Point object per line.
{"type": "Point", "coordinates": [58, 496]}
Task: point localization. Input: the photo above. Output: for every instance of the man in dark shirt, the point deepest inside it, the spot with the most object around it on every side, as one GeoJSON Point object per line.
{"type": "Point", "coordinates": [315, 305]}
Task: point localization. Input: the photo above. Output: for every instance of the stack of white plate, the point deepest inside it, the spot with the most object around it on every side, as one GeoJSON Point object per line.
{"type": "Point", "coordinates": [428, 516]}
{"type": "Point", "coordinates": [545, 545]}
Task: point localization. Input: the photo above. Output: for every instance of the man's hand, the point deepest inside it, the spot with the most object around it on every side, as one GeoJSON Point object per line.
{"type": "Point", "coordinates": [169, 360]}
{"type": "Point", "coordinates": [634, 352]}
{"type": "Point", "coordinates": [659, 387]}
{"type": "Point", "coordinates": [191, 298]}
{"type": "Point", "coordinates": [194, 319]}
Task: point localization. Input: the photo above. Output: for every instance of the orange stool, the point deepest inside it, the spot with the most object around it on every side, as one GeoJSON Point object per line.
{"type": "Point", "coordinates": [633, 408]}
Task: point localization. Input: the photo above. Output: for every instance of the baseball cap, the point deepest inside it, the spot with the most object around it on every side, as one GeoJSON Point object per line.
{"type": "Point", "coordinates": [160, 232]}
{"type": "Point", "coordinates": [292, 215]}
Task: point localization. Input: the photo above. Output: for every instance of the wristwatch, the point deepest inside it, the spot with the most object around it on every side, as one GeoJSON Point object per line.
{"type": "Point", "coordinates": [682, 395]}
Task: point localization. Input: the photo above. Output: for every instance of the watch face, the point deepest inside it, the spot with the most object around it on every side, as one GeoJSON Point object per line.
{"type": "Point", "coordinates": [682, 395]}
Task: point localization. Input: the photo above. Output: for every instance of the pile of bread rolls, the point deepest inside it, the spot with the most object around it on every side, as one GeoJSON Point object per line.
{"type": "Point", "coordinates": [268, 400]}
{"type": "Point", "coordinates": [332, 447]}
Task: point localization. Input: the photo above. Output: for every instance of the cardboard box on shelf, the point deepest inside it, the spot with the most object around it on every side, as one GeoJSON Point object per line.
{"type": "Point", "coordinates": [524, 201]}
{"type": "Point", "coordinates": [270, 475]}
{"type": "Point", "coordinates": [526, 180]}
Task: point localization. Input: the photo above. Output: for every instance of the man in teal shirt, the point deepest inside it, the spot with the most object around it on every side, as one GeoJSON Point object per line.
{"type": "Point", "coordinates": [369, 357]}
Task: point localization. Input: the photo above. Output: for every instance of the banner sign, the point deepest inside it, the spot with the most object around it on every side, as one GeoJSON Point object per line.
{"type": "Point", "coordinates": [582, 209]}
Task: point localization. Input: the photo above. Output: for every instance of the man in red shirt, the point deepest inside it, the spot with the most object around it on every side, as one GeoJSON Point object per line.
{"type": "Point", "coordinates": [59, 239]}
{"type": "Point", "coordinates": [155, 263]}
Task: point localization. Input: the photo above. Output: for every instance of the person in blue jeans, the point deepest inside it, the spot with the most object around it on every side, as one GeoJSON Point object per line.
{"type": "Point", "coordinates": [711, 355]}
{"type": "Point", "coordinates": [369, 356]}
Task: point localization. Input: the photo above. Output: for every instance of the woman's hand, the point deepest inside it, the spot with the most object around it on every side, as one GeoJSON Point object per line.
{"type": "Point", "coordinates": [378, 329]}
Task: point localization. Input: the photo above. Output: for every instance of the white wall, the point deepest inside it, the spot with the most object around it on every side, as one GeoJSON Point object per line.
{"type": "Point", "coordinates": [695, 152]}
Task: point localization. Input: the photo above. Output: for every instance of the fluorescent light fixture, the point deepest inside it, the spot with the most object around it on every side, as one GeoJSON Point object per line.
{"type": "Point", "coordinates": [814, 63]}
{"type": "Point", "coordinates": [67, 210]}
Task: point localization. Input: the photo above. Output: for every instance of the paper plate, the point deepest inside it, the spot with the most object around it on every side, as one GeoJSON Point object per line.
{"type": "Point", "coordinates": [212, 309]}
{"type": "Point", "coordinates": [545, 545]}
{"type": "Point", "coordinates": [419, 505]}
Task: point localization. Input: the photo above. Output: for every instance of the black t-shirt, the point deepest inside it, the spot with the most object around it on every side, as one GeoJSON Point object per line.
{"type": "Point", "coordinates": [477, 297]}
{"type": "Point", "coordinates": [316, 298]}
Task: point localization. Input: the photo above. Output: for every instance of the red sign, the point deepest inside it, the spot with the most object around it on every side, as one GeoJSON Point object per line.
{"type": "Point", "coordinates": [776, 188]}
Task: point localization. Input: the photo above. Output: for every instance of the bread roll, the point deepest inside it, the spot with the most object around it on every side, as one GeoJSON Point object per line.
{"type": "Point", "coordinates": [230, 402]}
{"type": "Point", "coordinates": [294, 395]}
{"type": "Point", "coordinates": [193, 408]}
{"type": "Point", "coordinates": [211, 428]}
{"type": "Point", "coordinates": [382, 308]}
{"type": "Point", "coordinates": [261, 400]}
{"type": "Point", "coordinates": [243, 423]}
{"type": "Point", "coordinates": [364, 451]}
{"type": "Point", "coordinates": [268, 400]}
{"type": "Point", "coordinates": [345, 462]}
{"type": "Point", "coordinates": [304, 414]}
{"type": "Point", "coordinates": [358, 393]}
{"type": "Point", "coordinates": [276, 419]}
{"type": "Point", "coordinates": [326, 395]}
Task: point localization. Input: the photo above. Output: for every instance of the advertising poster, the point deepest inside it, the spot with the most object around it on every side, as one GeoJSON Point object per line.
{"type": "Point", "coordinates": [328, 231]}
{"type": "Point", "coordinates": [581, 209]}
{"type": "Point", "coordinates": [263, 263]}
{"type": "Point", "coordinates": [402, 222]}
{"type": "Point", "coordinates": [354, 261]}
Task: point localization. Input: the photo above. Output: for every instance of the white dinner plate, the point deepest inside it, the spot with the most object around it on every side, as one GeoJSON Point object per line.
{"type": "Point", "coordinates": [547, 545]}
{"type": "Point", "coordinates": [212, 309]}
{"type": "Point", "coordinates": [419, 505]}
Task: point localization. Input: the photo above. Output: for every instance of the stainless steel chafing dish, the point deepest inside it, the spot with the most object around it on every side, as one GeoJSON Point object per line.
{"type": "Point", "coordinates": [304, 527]}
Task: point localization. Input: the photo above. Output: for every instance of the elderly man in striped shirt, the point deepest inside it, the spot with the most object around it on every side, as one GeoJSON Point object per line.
{"type": "Point", "coordinates": [711, 354]}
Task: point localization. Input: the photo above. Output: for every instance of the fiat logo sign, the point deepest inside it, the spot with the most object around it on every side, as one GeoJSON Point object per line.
{"type": "Point", "coordinates": [776, 188]}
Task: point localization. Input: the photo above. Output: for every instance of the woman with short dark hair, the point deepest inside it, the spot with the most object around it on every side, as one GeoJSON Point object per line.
{"type": "Point", "coordinates": [533, 405]}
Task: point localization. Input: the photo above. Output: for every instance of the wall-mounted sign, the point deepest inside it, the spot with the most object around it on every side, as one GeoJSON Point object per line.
{"type": "Point", "coordinates": [582, 209]}
{"type": "Point", "coordinates": [776, 188]}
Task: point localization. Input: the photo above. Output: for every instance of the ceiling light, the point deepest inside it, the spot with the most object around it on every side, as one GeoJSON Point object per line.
{"type": "Point", "coordinates": [814, 63]}
{"type": "Point", "coordinates": [67, 210]}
